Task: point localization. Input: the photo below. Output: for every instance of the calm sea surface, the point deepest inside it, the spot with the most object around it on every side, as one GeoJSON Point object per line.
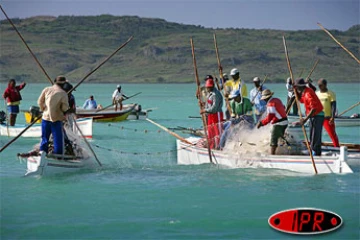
{"type": "Point", "coordinates": [141, 192]}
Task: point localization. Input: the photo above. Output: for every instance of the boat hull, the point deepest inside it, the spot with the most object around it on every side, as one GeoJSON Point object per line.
{"type": "Point", "coordinates": [193, 155]}
{"type": "Point", "coordinates": [43, 165]}
{"type": "Point", "coordinates": [107, 115]}
{"type": "Point", "coordinates": [85, 125]}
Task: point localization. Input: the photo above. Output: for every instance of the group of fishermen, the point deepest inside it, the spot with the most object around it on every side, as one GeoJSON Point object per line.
{"type": "Point", "coordinates": [320, 109]}
{"type": "Point", "coordinates": [54, 103]}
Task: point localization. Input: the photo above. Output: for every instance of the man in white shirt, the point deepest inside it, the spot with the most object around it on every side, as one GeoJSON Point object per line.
{"type": "Point", "coordinates": [118, 97]}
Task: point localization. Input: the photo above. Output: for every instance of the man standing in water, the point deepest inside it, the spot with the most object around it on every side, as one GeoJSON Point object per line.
{"type": "Point", "coordinates": [13, 98]}
{"type": "Point", "coordinates": [213, 109]}
{"type": "Point", "coordinates": [118, 97]}
{"type": "Point", "coordinates": [276, 115]}
{"type": "Point", "coordinates": [328, 101]}
{"type": "Point", "coordinates": [53, 101]}
{"type": "Point", "coordinates": [255, 97]}
{"type": "Point", "coordinates": [314, 113]}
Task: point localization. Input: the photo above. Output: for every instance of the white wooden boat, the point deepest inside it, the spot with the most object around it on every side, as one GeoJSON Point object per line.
{"type": "Point", "coordinates": [47, 165]}
{"type": "Point", "coordinates": [339, 121]}
{"type": "Point", "coordinates": [194, 155]}
{"type": "Point", "coordinates": [85, 125]}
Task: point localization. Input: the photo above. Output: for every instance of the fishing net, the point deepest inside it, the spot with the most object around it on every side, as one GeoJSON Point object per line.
{"type": "Point", "coordinates": [246, 140]}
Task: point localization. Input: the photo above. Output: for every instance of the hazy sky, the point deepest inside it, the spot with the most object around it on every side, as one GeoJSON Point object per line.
{"type": "Point", "coordinates": [274, 14]}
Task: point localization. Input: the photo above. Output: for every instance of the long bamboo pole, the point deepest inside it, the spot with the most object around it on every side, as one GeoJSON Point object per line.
{"type": "Point", "coordinates": [87, 143]}
{"type": "Point", "coordinates": [346, 50]}
{"type": "Point", "coordinates": [221, 74]}
{"type": "Point", "coordinates": [356, 104]}
{"type": "Point", "coordinates": [199, 98]}
{"type": "Point", "coordinates": [298, 104]}
{"type": "Point", "coordinates": [102, 63]}
{"type": "Point", "coordinates": [170, 132]}
{"type": "Point", "coordinates": [27, 46]}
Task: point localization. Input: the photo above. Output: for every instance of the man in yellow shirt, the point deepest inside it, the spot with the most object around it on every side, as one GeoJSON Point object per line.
{"type": "Point", "coordinates": [235, 84]}
{"type": "Point", "coordinates": [328, 100]}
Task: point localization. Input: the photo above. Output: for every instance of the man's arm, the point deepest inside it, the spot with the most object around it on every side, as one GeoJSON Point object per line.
{"type": "Point", "coordinates": [86, 103]}
{"type": "Point", "coordinates": [290, 103]}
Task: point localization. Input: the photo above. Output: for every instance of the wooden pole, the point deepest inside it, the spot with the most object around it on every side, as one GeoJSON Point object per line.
{"type": "Point", "coordinates": [102, 63]}
{"type": "Point", "coordinates": [170, 132]}
{"type": "Point", "coordinates": [312, 70]}
{"type": "Point", "coordinates": [87, 143]}
{"type": "Point", "coordinates": [199, 98]}
{"type": "Point", "coordinates": [298, 104]}
{"type": "Point", "coordinates": [27, 46]}
{"type": "Point", "coordinates": [356, 104]}
{"type": "Point", "coordinates": [221, 75]}
{"type": "Point", "coordinates": [346, 50]}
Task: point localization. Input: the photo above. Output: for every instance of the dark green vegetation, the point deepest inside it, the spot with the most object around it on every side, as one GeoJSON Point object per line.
{"type": "Point", "coordinates": [160, 51]}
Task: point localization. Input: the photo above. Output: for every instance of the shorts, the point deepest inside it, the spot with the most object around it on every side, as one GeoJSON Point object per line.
{"type": "Point", "coordinates": [13, 109]}
{"type": "Point", "coordinates": [277, 132]}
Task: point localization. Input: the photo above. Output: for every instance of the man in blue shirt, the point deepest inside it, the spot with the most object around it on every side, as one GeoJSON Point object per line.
{"type": "Point", "coordinates": [255, 98]}
{"type": "Point", "coordinates": [90, 103]}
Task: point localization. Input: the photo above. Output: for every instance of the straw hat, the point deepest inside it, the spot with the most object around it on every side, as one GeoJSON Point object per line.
{"type": "Point", "coordinates": [266, 94]}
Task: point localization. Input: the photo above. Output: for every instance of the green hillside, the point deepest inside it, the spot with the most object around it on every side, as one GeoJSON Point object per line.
{"type": "Point", "coordinates": [160, 51]}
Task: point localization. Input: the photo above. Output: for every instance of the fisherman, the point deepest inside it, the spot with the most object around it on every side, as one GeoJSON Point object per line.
{"type": "Point", "coordinates": [213, 109]}
{"type": "Point", "coordinates": [72, 104]}
{"type": "Point", "coordinates": [53, 101]}
{"type": "Point", "coordinates": [118, 97]}
{"type": "Point", "coordinates": [276, 115]}
{"type": "Point", "coordinates": [236, 83]}
{"type": "Point", "coordinates": [328, 101]}
{"type": "Point", "coordinates": [314, 113]}
{"type": "Point", "coordinates": [241, 108]}
{"type": "Point", "coordinates": [291, 98]}
{"type": "Point", "coordinates": [255, 96]}
{"type": "Point", "coordinates": [90, 103]}
{"type": "Point", "coordinates": [13, 97]}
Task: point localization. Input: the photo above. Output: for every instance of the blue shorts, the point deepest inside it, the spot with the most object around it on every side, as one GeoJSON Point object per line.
{"type": "Point", "coordinates": [13, 109]}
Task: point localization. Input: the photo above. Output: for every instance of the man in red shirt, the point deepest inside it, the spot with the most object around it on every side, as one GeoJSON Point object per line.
{"type": "Point", "coordinates": [314, 113]}
{"type": "Point", "coordinates": [276, 115]}
{"type": "Point", "coordinates": [13, 98]}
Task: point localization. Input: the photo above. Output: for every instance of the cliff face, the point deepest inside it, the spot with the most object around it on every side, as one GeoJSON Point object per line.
{"type": "Point", "coordinates": [160, 51]}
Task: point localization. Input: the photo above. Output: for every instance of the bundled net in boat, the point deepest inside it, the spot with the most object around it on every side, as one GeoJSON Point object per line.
{"type": "Point", "coordinates": [245, 140]}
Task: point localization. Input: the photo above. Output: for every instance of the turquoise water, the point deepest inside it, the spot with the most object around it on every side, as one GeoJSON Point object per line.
{"type": "Point", "coordinates": [140, 192]}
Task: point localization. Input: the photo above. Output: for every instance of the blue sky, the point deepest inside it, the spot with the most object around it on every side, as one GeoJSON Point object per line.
{"type": "Point", "coordinates": [259, 14]}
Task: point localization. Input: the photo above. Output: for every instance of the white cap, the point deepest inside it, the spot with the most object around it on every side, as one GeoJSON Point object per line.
{"type": "Point", "coordinates": [256, 79]}
{"type": "Point", "coordinates": [234, 71]}
{"type": "Point", "coordinates": [118, 86]}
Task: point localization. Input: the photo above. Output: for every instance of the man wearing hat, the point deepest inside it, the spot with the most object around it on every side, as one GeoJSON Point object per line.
{"type": "Point", "coordinates": [276, 115]}
{"type": "Point", "coordinates": [241, 111]}
{"type": "Point", "coordinates": [236, 83]}
{"type": "Point", "coordinates": [90, 103]}
{"type": "Point", "coordinates": [213, 109]}
{"type": "Point", "coordinates": [53, 101]}
{"type": "Point", "coordinates": [118, 97]}
{"type": "Point", "coordinates": [328, 100]}
{"type": "Point", "coordinates": [314, 113]}
{"type": "Point", "coordinates": [255, 96]}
